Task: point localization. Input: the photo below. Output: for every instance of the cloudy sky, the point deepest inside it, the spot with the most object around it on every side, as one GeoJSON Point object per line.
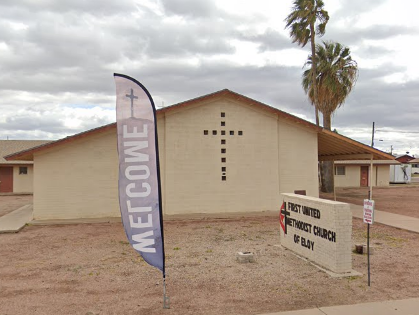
{"type": "Point", "coordinates": [57, 59]}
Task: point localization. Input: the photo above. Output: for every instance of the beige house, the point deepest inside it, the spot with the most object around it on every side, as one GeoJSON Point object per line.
{"type": "Point", "coordinates": [415, 166]}
{"type": "Point", "coordinates": [357, 173]}
{"type": "Point", "coordinates": [16, 176]}
{"type": "Point", "coordinates": [221, 152]}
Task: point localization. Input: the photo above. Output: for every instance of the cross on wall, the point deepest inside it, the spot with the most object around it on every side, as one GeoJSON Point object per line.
{"type": "Point", "coordinates": [223, 133]}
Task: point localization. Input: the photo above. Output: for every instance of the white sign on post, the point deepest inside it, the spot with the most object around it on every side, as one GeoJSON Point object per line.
{"type": "Point", "coordinates": [368, 211]}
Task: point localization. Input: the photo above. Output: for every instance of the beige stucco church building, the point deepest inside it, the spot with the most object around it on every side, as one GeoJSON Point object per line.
{"type": "Point", "coordinates": [221, 152]}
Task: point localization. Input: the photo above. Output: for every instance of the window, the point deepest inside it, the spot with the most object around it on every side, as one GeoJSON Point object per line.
{"type": "Point", "coordinates": [223, 177]}
{"type": "Point", "coordinates": [223, 132]}
{"type": "Point", "coordinates": [223, 123]}
{"type": "Point", "coordinates": [205, 132]}
{"type": "Point", "coordinates": [214, 132]}
{"type": "Point", "coordinates": [23, 170]}
{"type": "Point", "coordinates": [223, 141]}
{"type": "Point", "coordinates": [240, 133]}
{"type": "Point", "coordinates": [223, 169]}
{"type": "Point", "coordinates": [340, 170]}
{"type": "Point", "coordinates": [223, 114]}
{"type": "Point", "coordinates": [231, 133]}
{"type": "Point", "coordinates": [223, 160]}
{"type": "Point", "coordinates": [223, 150]}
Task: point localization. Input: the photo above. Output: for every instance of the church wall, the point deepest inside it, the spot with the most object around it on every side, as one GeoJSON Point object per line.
{"type": "Point", "coordinates": [78, 179]}
{"type": "Point", "coordinates": [297, 159]}
{"type": "Point", "coordinates": [194, 177]}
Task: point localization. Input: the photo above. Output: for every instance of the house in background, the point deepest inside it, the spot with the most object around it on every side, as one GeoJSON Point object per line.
{"type": "Point", "coordinates": [221, 152]}
{"type": "Point", "coordinates": [404, 158]}
{"type": "Point", "coordinates": [16, 176]}
{"type": "Point", "coordinates": [415, 166]}
{"type": "Point", "coordinates": [357, 173]}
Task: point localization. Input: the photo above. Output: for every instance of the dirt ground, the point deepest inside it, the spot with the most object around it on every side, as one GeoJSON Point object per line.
{"type": "Point", "coordinates": [9, 203]}
{"type": "Point", "coordinates": [398, 199]}
{"type": "Point", "coordinates": [90, 269]}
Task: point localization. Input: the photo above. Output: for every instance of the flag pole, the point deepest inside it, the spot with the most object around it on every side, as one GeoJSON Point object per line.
{"type": "Point", "coordinates": [141, 212]}
{"type": "Point", "coordinates": [166, 299]}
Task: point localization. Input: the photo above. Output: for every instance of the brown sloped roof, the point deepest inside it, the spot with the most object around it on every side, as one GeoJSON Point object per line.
{"type": "Point", "coordinates": [241, 98]}
{"type": "Point", "coordinates": [27, 155]}
{"type": "Point", "coordinates": [367, 162]}
{"type": "Point", "coordinates": [335, 147]}
{"type": "Point", "coordinates": [331, 145]}
{"type": "Point", "coordinates": [8, 147]}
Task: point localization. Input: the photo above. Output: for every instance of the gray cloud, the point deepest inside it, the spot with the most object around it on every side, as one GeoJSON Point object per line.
{"type": "Point", "coordinates": [190, 8]}
{"type": "Point", "coordinates": [103, 7]}
{"type": "Point", "coordinates": [351, 10]}
{"type": "Point", "coordinates": [356, 35]}
{"type": "Point", "coordinates": [372, 52]}
{"type": "Point", "coordinates": [270, 40]}
{"type": "Point", "coordinates": [58, 58]}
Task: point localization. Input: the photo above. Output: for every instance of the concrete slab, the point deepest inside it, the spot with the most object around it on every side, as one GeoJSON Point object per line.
{"type": "Point", "coordinates": [400, 307]}
{"type": "Point", "coordinates": [14, 221]}
{"type": "Point", "coordinates": [405, 307]}
{"type": "Point", "coordinates": [76, 221]}
{"type": "Point", "coordinates": [360, 309]}
{"type": "Point", "coordinates": [313, 311]}
{"type": "Point", "coordinates": [390, 219]}
{"type": "Point", "coordinates": [396, 307]}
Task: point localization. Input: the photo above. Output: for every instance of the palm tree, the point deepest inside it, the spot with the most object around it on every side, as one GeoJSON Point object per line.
{"type": "Point", "coordinates": [336, 76]}
{"type": "Point", "coordinates": [305, 21]}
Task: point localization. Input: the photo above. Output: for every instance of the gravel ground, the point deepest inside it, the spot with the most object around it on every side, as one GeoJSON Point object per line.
{"type": "Point", "coordinates": [398, 199]}
{"type": "Point", "coordinates": [90, 269]}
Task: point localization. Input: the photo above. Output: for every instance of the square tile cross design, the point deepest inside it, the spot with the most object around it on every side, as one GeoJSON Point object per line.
{"type": "Point", "coordinates": [223, 143]}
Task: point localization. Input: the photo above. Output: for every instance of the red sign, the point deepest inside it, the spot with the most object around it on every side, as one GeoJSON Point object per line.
{"type": "Point", "coordinates": [368, 211]}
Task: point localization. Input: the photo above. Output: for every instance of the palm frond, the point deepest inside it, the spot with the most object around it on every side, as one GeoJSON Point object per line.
{"type": "Point", "coordinates": [335, 77]}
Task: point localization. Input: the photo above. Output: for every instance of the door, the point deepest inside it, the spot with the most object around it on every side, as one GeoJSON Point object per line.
{"type": "Point", "coordinates": [364, 176]}
{"type": "Point", "coordinates": [6, 179]}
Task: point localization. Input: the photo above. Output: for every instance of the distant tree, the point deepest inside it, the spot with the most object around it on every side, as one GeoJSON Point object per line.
{"type": "Point", "coordinates": [336, 76]}
{"type": "Point", "coordinates": [305, 21]}
{"type": "Point", "coordinates": [337, 73]}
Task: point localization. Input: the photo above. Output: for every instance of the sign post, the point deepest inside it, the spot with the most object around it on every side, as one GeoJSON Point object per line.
{"type": "Point", "coordinates": [369, 219]}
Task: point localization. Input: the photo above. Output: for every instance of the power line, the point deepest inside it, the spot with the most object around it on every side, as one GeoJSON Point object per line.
{"type": "Point", "coordinates": [398, 131]}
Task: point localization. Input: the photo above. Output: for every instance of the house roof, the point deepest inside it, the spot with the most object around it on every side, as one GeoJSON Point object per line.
{"type": "Point", "coordinates": [414, 161]}
{"type": "Point", "coordinates": [335, 147]}
{"type": "Point", "coordinates": [8, 147]}
{"type": "Point", "coordinates": [404, 156]}
{"type": "Point", "coordinates": [367, 162]}
{"type": "Point", "coordinates": [331, 145]}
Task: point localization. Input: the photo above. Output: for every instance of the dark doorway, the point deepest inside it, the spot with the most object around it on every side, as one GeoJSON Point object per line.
{"type": "Point", "coordinates": [364, 176]}
{"type": "Point", "coordinates": [6, 179]}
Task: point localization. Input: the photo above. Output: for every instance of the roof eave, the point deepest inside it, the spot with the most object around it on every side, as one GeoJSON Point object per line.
{"type": "Point", "coordinates": [27, 155]}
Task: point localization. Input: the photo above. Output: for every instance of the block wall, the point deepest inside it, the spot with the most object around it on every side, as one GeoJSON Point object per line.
{"type": "Point", "coordinates": [319, 230]}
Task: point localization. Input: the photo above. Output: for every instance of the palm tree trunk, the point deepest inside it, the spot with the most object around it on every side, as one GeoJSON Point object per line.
{"type": "Point", "coordinates": [327, 121]}
{"type": "Point", "coordinates": [314, 71]}
{"type": "Point", "coordinates": [326, 167]}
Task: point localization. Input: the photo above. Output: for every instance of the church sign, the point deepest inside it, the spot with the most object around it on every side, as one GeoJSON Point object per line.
{"type": "Point", "coordinates": [317, 229]}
